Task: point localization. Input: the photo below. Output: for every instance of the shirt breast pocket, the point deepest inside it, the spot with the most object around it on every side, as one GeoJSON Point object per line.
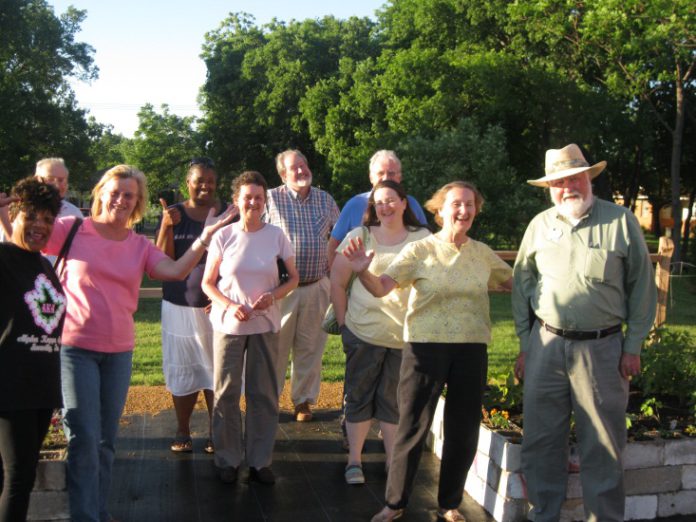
{"type": "Point", "coordinates": [321, 226]}
{"type": "Point", "coordinates": [602, 265]}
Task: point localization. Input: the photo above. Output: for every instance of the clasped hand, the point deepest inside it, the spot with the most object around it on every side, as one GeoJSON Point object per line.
{"type": "Point", "coordinates": [244, 312]}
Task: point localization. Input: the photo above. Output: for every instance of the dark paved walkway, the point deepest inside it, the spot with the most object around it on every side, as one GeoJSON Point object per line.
{"type": "Point", "coordinates": [152, 484]}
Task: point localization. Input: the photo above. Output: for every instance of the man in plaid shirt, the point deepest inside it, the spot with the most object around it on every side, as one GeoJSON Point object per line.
{"type": "Point", "coordinates": [306, 214]}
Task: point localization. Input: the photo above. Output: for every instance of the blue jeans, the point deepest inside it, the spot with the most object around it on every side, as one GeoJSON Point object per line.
{"type": "Point", "coordinates": [95, 386]}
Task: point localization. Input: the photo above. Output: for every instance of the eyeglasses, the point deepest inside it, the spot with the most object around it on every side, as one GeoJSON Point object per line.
{"type": "Point", "coordinates": [205, 162]}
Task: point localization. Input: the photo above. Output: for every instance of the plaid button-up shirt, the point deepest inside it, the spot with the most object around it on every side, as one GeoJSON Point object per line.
{"type": "Point", "coordinates": [307, 223]}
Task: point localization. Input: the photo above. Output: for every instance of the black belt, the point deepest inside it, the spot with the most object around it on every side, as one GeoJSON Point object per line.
{"type": "Point", "coordinates": [307, 283]}
{"type": "Point", "coordinates": [580, 335]}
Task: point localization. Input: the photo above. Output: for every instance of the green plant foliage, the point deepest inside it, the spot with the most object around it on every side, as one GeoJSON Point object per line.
{"type": "Point", "coordinates": [651, 408]}
{"type": "Point", "coordinates": [669, 367]}
{"type": "Point", "coordinates": [162, 146]}
{"type": "Point", "coordinates": [504, 393]}
{"type": "Point", "coordinates": [478, 154]}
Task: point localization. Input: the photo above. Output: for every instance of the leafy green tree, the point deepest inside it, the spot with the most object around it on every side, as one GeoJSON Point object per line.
{"type": "Point", "coordinates": [106, 148]}
{"type": "Point", "coordinates": [38, 55]}
{"type": "Point", "coordinates": [257, 78]}
{"type": "Point", "coordinates": [162, 146]}
{"type": "Point", "coordinates": [478, 154]}
{"type": "Point", "coordinates": [441, 61]}
{"type": "Point", "coordinates": [640, 50]}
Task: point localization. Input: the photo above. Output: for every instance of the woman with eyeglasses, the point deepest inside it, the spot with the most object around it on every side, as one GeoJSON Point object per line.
{"type": "Point", "coordinates": [241, 278]}
{"type": "Point", "coordinates": [371, 327]}
{"type": "Point", "coordinates": [187, 335]}
{"type": "Point", "coordinates": [32, 310]}
{"type": "Point", "coordinates": [103, 270]}
{"type": "Point", "coordinates": [447, 329]}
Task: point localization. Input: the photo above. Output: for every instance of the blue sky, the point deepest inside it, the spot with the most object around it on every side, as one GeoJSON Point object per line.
{"type": "Point", "coordinates": [147, 50]}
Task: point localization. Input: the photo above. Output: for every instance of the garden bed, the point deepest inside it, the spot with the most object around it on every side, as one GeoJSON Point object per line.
{"type": "Point", "coordinates": [660, 476]}
{"type": "Point", "coordinates": [49, 499]}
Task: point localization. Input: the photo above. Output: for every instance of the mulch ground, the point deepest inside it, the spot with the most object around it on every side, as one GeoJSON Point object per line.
{"type": "Point", "coordinates": [154, 399]}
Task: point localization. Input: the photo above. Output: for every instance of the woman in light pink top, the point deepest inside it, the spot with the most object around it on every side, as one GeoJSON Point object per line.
{"type": "Point", "coordinates": [102, 276]}
{"type": "Point", "coordinates": [241, 278]}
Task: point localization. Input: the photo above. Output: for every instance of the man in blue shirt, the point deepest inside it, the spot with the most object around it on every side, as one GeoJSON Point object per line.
{"type": "Point", "coordinates": [384, 164]}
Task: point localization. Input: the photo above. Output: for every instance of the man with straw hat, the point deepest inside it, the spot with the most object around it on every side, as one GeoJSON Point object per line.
{"type": "Point", "coordinates": [581, 274]}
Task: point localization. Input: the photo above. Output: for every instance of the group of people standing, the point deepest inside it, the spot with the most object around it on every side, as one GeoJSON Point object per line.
{"type": "Point", "coordinates": [412, 307]}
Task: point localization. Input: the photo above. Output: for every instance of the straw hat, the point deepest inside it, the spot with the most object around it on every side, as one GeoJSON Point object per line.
{"type": "Point", "coordinates": [561, 163]}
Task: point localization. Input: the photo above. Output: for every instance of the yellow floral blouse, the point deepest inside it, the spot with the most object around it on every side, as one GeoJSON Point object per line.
{"type": "Point", "coordinates": [449, 301]}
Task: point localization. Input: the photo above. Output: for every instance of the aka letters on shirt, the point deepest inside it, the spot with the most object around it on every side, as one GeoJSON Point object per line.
{"type": "Point", "coordinates": [32, 311]}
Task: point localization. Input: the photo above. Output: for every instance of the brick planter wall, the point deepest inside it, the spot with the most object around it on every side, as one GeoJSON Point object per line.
{"type": "Point", "coordinates": [660, 477]}
{"type": "Point", "coordinates": [49, 499]}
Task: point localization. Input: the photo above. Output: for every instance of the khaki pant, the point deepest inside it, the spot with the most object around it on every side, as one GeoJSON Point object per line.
{"type": "Point", "coordinates": [302, 311]}
{"type": "Point", "coordinates": [261, 398]}
{"type": "Point", "coordinates": [583, 377]}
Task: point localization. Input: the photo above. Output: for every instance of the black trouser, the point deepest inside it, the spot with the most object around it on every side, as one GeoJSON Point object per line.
{"type": "Point", "coordinates": [21, 434]}
{"type": "Point", "coordinates": [425, 369]}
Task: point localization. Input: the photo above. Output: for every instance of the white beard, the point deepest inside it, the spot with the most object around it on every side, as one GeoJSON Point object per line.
{"type": "Point", "coordinates": [574, 209]}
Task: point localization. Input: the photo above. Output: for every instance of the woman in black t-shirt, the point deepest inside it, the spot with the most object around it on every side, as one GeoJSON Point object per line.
{"type": "Point", "coordinates": [32, 308]}
{"type": "Point", "coordinates": [187, 335]}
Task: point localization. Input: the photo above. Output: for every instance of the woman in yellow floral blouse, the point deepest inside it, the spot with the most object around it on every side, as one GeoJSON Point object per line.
{"type": "Point", "coordinates": [447, 329]}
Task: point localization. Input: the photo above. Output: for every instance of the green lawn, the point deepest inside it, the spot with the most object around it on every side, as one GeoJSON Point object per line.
{"type": "Point", "coordinates": [502, 352]}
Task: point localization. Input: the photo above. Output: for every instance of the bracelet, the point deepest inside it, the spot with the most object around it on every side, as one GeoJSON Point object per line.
{"type": "Point", "coordinates": [198, 241]}
{"type": "Point", "coordinates": [200, 238]}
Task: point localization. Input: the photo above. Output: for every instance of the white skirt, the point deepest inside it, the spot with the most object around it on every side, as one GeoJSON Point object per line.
{"type": "Point", "coordinates": [187, 349]}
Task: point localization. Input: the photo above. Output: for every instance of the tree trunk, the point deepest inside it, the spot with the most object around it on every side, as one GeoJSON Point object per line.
{"type": "Point", "coordinates": [675, 169]}
{"type": "Point", "coordinates": [656, 204]}
{"type": "Point", "coordinates": [631, 195]}
{"type": "Point", "coordinates": [687, 225]}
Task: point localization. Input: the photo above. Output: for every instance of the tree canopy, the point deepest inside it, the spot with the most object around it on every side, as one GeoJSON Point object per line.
{"type": "Point", "coordinates": [459, 88]}
{"type": "Point", "coordinates": [38, 55]}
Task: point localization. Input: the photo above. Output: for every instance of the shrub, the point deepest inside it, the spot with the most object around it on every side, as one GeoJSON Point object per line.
{"type": "Point", "coordinates": [669, 366]}
{"type": "Point", "coordinates": [503, 393]}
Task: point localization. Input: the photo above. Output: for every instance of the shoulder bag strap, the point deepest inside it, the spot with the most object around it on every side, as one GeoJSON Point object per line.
{"type": "Point", "coordinates": [60, 260]}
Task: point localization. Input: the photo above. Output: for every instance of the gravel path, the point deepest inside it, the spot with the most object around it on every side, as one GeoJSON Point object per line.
{"type": "Point", "coordinates": [153, 399]}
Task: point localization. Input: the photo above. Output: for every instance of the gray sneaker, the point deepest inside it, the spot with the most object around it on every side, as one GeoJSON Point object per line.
{"type": "Point", "coordinates": [354, 474]}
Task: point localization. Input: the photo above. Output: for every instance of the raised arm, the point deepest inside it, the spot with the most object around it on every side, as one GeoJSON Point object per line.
{"type": "Point", "coordinates": [360, 260]}
{"type": "Point", "coordinates": [171, 270]}
{"type": "Point", "coordinates": [5, 223]}
{"type": "Point", "coordinates": [165, 237]}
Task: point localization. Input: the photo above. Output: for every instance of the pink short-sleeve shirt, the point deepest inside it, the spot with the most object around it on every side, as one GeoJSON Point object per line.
{"type": "Point", "coordinates": [102, 282]}
{"type": "Point", "coordinates": [248, 268]}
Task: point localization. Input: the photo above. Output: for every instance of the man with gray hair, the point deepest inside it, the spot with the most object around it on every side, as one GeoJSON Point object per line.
{"type": "Point", "coordinates": [384, 164]}
{"type": "Point", "coordinates": [54, 172]}
{"type": "Point", "coordinates": [306, 214]}
{"type": "Point", "coordinates": [582, 272]}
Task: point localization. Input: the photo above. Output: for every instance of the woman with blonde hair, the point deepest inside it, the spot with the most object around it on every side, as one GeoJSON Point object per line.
{"type": "Point", "coordinates": [103, 269]}
{"type": "Point", "coordinates": [447, 329]}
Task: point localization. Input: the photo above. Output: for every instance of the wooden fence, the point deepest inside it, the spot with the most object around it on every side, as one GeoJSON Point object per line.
{"type": "Point", "coordinates": [662, 260]}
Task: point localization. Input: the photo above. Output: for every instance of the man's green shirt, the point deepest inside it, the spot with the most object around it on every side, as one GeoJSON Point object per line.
{"type": "Point", "coordinates": [588, 276]}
